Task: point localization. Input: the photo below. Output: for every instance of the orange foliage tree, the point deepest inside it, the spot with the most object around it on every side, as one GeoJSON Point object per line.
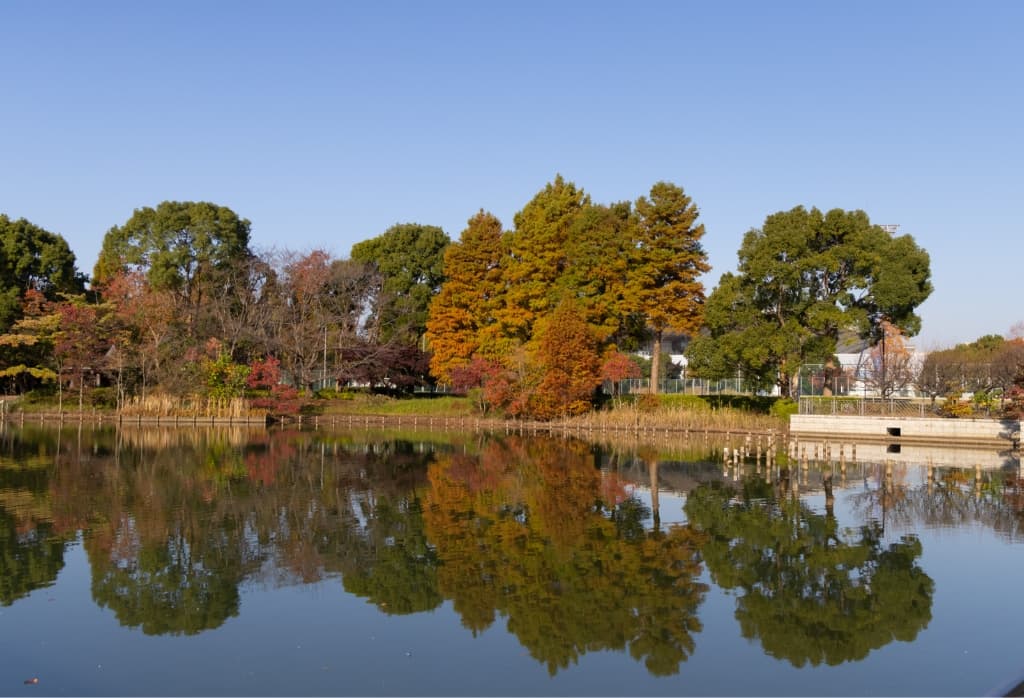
{"type": "Point", "coordinates": [569, 365]}
{"type": "Point", "coordinates": [463, 308]}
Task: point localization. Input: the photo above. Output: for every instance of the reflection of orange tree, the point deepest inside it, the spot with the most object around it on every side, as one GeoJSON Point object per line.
{"type": "Point", "coordinates": [811, 591]}
{"type": "Point", "coordinates": [523, 531]}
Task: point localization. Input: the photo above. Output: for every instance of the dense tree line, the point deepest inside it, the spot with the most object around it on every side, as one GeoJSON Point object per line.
{"type": "Point", "coordinates": [530, 320]}
{"type": "Point", "coordinates": [991, 368]}
{"type": "Point", "coordinates": [182, 303]}
{"type": "Point", "coordinates": [535, 318]}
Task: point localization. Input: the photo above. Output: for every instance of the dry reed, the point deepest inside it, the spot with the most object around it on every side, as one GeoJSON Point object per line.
{"type": "Point", "coordinates": [192, 406]}
{"type": "Point", "coordinates": [637, 419]}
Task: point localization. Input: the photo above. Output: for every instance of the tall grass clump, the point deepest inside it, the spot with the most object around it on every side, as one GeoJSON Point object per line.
{"type": "Point", "coordinates": [677, 413]}
{"type": "Point", "coordinates": [193, 406]}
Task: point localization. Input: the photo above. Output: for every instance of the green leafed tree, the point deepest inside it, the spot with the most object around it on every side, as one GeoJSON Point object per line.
{"type": "Point", "coordinates": [801, 279]}
{"type": "Point", "coordinates": [410, 259]}
{"type": "Point", "coordinates": [32, 259]}
{"type": "Point", "coordinates": [180, 246]}
{"type": "Point", "coordinates": [667, 259]}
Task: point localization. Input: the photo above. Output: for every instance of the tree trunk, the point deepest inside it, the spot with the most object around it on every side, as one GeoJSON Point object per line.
{"type": "Point", "coordinates": [656, 362]}
{"type": "Point", "coordinates": [652, 472]}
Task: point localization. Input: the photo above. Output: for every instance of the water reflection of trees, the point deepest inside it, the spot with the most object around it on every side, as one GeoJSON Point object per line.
{"type": "Point", "coordinates": [531, 530]}
{"type": "Point", "coordinates": [190, 522]}
{"type": "Point", "coordinates": [543, 534]}
{"type": "Point", "coordinates": [31, 548]}
{"type": "Point", "coordinates": [948, 498]}
{"type": "Point", "coordinates": [29, 558]}
{"type": "Point", "coordinates": [527, 529]}
{"type": "Point", "coordinates": [812, 592]}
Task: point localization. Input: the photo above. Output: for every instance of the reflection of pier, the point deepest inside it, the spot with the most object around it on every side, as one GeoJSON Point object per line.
{"type": "Point", "coordinates": [801, 467]}
{"type": "Point", "coordinates": [950, 433]}
{"type": "Point", "coordinates": [909, 454]}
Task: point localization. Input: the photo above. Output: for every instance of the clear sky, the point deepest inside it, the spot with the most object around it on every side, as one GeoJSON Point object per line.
{"type": "Point", "coordinates": [326, 123]}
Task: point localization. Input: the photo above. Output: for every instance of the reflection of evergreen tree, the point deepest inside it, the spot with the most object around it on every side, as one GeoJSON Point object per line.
{"type": "Point", "coordinates": [28, 560]}
{"type": "Point", "coordinates": [399, 568]}
{"type": "Point", "coordinates": [522, 531]}
{"type": "Point", "coordinates": [811, 592]}
{"type": "Point", "coordinates": [31, 547]}
{"type": "Point", "coordinates": [175, 586]}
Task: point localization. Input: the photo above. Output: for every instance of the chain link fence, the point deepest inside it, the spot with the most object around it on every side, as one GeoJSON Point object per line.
{"type": "Point", "coordinates": [688, 386]}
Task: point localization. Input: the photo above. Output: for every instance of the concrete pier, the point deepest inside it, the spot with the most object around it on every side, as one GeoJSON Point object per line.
{"type": "Point", "coordinates": [908, 430]}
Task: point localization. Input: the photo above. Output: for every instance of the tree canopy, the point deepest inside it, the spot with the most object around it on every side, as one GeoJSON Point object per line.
{"type": "Point", "coordinates": [32, 258]}
{"type": "Point", "coordinates": [801, 279]}
{"type": "Point", "coordinates": [666, 258]}
{"type": "Point", "coordinates": [626, 275]}
{"type": "Point", "coordinates": [410, 260]}
{"type": "Point", "coordinates": [178, 246]}
{"type": "Point", "coordinates": [463, 310]}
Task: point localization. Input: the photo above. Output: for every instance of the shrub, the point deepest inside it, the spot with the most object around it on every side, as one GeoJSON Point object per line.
{"type": "Point", "coordinates": [955, 406]}
{"type": "Point", "coordinates": [103, 398]}
{"type": "Point", "coordinates": [784, 407]}
{"type": "Point", "coordinates": [685, 402]}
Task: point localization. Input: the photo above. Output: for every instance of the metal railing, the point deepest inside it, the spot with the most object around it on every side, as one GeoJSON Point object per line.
{"type": "Point", "coordinates": [688, 386]}
{"type": "Point", "coordinates": [889, 406]}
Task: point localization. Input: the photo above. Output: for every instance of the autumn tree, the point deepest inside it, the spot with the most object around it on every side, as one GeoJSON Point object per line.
{"type": "Point", "coordinates": [463, 310]}
{"type": "Point", "coordinates": [239, 310]}
{"type": "Point", "coordinates": [302, 318]}
{"type": "Point", "coordinates": [891, 364]}
{"type": "Point", "coordinates": [28, 344]}
{"type": "Point", "coordinates": [82, 339]}
{"type": "Point", "coordinates": [666, 259]}
{"type": "Point", "coordinates": [939, 373]}
{"type": "Point", "coordinates": [536, 258]}
{"type": "Point", "coordinates": [569, 365]}
{"type": "Point", "coordinates": [598, 265]}
{"type": "Point", "coordinates": [989, 364]}
{"type": "Point", "coordinates": [618, 367]}
{"type": "Point", "coordinates": [1014, 405]}
{"type": "Point", "coordinates": [146, 345]}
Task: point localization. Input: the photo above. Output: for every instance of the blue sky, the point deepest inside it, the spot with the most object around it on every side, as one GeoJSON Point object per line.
{"type": "Point", "coordinates": [325, 123]}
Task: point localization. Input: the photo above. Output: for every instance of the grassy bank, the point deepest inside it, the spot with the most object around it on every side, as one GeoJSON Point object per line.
{"type": "Point", "coordinates": [665, 413]}
{"type": "Point", "coordinates": [717, 414]}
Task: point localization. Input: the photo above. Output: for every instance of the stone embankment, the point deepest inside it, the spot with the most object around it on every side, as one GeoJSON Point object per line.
{"type": "Point", "coordinates": [909, 430]}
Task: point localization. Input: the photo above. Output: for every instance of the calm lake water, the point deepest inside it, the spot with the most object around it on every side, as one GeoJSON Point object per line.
{"type": "Point", "coordinates": [253, 562]}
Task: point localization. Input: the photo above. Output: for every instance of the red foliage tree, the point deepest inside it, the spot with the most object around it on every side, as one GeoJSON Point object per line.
{"type": "Point", "coordinates": [271, 393]}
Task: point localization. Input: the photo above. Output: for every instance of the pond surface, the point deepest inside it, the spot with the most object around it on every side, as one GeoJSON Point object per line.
{"type": "Point", "coordinates": [253, 562]}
